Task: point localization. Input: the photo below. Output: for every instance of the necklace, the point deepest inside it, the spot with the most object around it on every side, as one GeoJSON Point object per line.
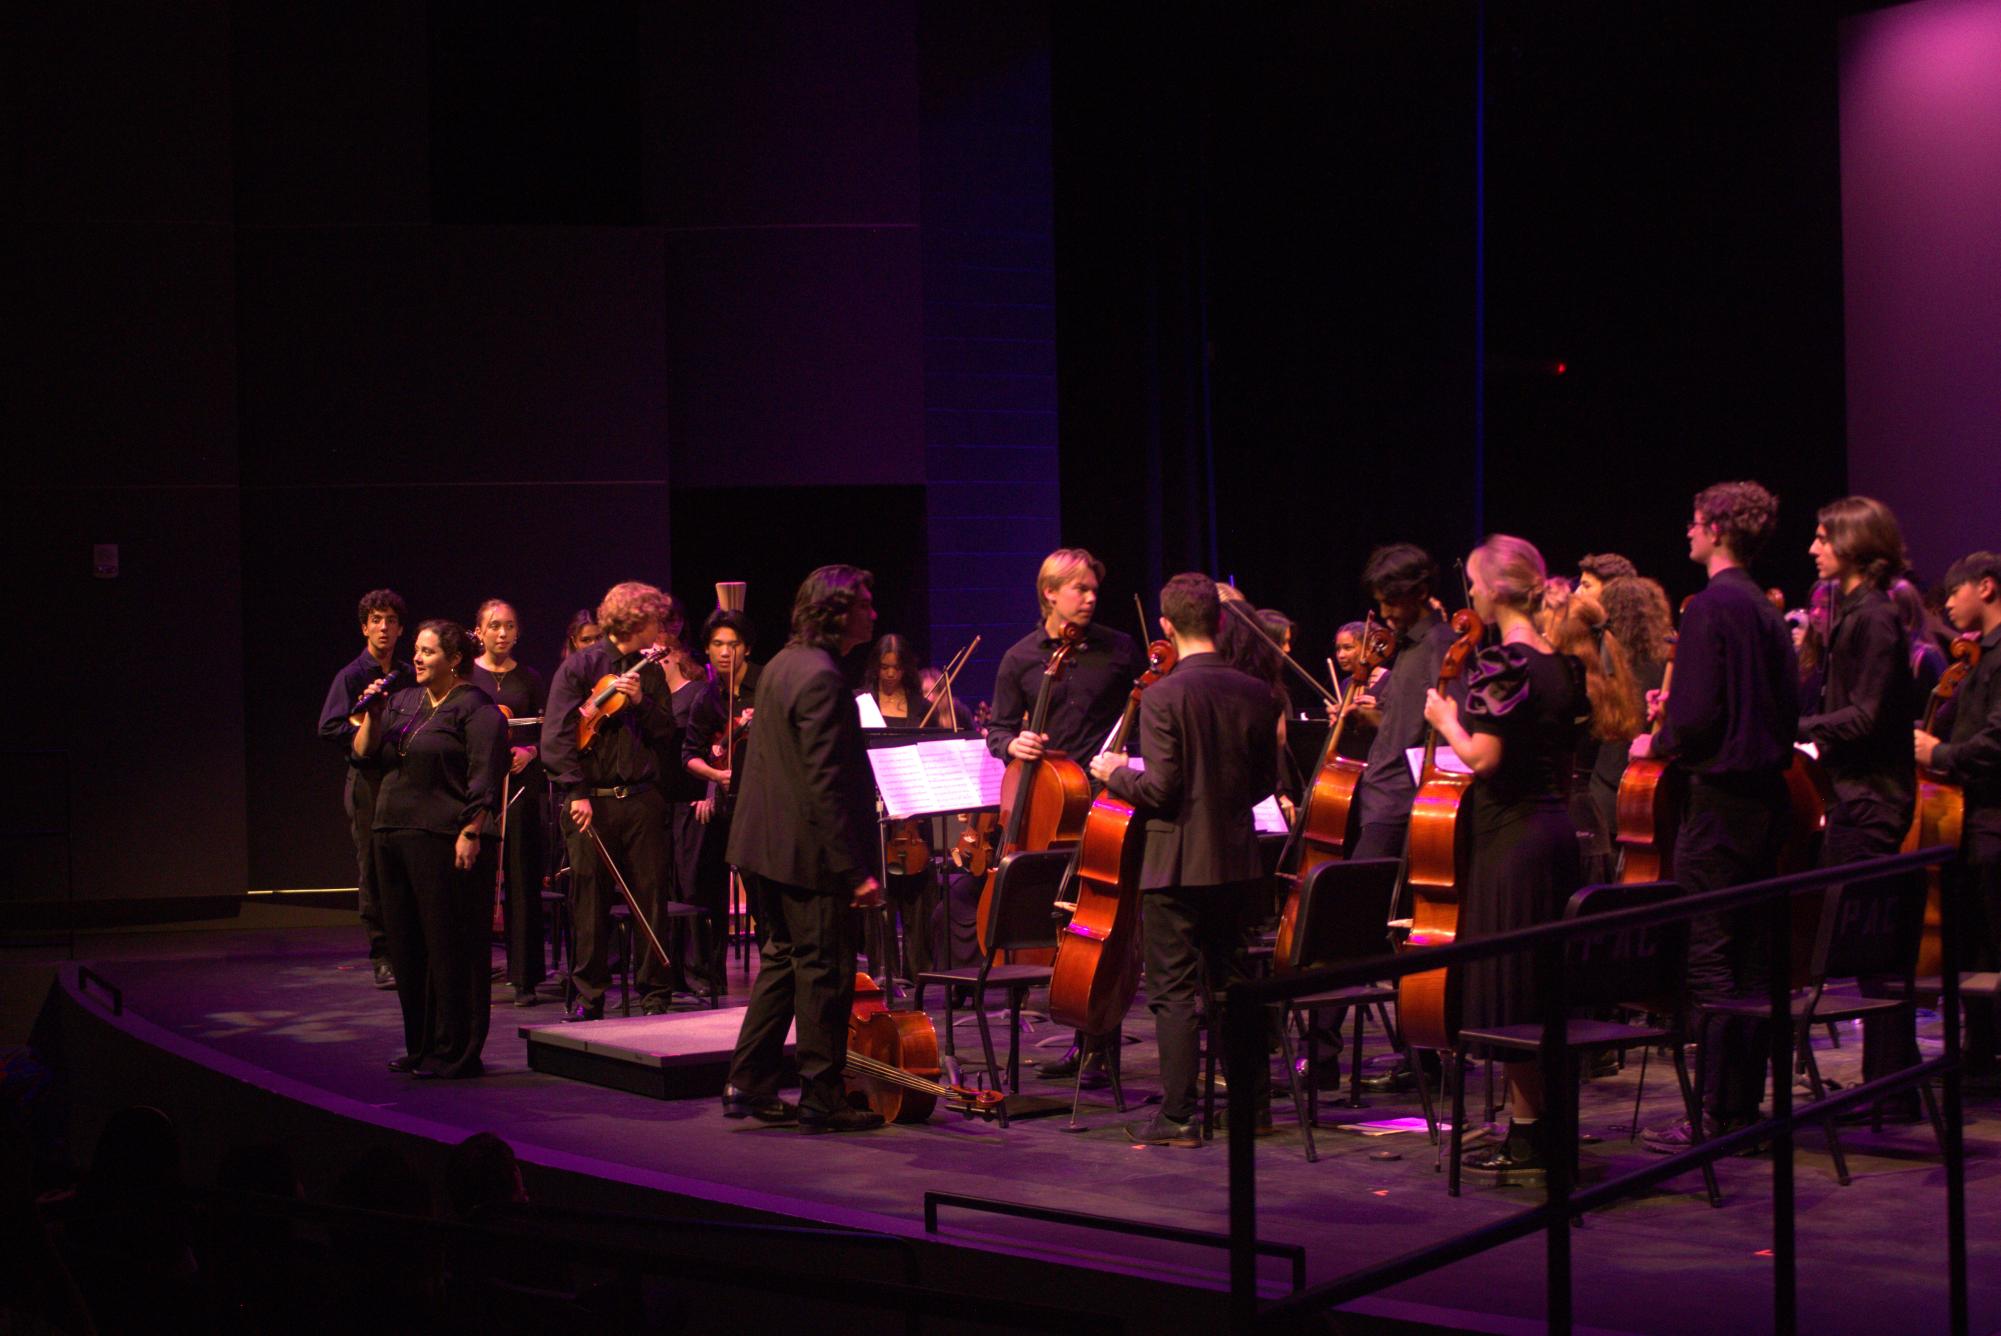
{"type": "Point", "coordinates": [422, 720]}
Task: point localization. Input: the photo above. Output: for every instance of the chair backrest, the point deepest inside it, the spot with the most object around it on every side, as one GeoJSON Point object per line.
{"type": "Point", "coordinates": [1871, 927]}
{"type": "Point", "coordinates": [1343, 912]}
{"type": "Point", "coordinates": [1624, 964]}
{"type": "Point", "coordinates": [1021, 911]}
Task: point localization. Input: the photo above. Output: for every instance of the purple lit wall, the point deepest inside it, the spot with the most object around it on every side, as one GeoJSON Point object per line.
{"type": "Point", "coordinates": [1921, 224]}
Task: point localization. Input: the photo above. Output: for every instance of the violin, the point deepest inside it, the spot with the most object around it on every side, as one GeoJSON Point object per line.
{"type": "Point", "coordinates": [1330, 805]}
{"type": "Point", "coordinates": [974, 851]}
{"type": "Point", "coordinates": [1439, 842]}
{"type": "Point", "coordinates": [1097, 953]}
{"type": "Point", "coordinates": [906, 850]}
{"type": "Point", "coordinates": [1941, 810]}
{"type": "Point", "coordinates": [1043, 801]}
{"type": "Point", "coordinates": [893, 1068]}
{"type": "Point", "coordinates": [607, 700]}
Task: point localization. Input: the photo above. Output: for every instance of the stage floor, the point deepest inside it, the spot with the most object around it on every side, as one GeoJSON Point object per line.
{"type": "Point", "coordinates": [297, 1003]}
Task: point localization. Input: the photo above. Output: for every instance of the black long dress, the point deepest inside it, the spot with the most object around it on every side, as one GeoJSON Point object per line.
{"type": "Point", "coordinates": [521, 693]}
{"type": "Point", "coordinates": [1524, 863]}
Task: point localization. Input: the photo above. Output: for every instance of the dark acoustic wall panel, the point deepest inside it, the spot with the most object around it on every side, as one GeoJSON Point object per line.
{"type": "Point", "coordinates": [535, 111]}
{"type": "Point", "coordinates": [332, 111]}
{"type": "Point", "coordinates": [153, 747]}
{"type": "Point", "coordinates": [1921, 211]}
{"type": "Point", "coordinates": [310, 552]}
{"type": "Point", "coordinates": [116, 112]}
{"type": "Point", "coordinates": [434, 354]}
{"type": "Point", "coordinates": [780, 114]}
{"type": "Point", "coordinates": [990, 406]}
{"type": "Point", "coordinates": [795, 356]}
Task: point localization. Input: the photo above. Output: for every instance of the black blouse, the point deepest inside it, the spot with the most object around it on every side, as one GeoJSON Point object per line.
{"type": "Point", "coordinates": [1536, 704]}
{"type": "Point", "coordinates": [441, 767]}
{"type": "Point", "coordinates": [520, 691]}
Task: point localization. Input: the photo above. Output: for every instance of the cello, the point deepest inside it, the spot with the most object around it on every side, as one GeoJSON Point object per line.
{"type": "Point", "coordinates": [1097, 954]}
{"type": "Point", "coordinates": [1941, 809]}
{"type": "Point", "coordinates": [1043, 801]}
{"type": "Point", "coordinates": [1648, 811]}
{"type": "Point", "coordinates": [1330, 804]}
{"type": "Point", "coordinates": [893, 1068]}
{"type": "Point", "coordinates": [1439, 840]}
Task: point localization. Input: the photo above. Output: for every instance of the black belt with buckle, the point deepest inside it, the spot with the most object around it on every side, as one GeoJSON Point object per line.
{"type": "Point", "coordinates": [619, 791]}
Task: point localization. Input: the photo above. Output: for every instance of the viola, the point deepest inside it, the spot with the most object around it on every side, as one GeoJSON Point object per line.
{"type": "Point", "coordinates": [607, 700]}
{"type": "Point", "coordinates": [974, 850]}
{"type": "Point", "coordinates": [1330, 805]}
{"type": "Point", "coordinates": [906, 850]}
{"type": "Point", "coordinates": [892, 1064]}
{"type": "Point", "coordinates": [1097, 953]}
{"type": "Point", "coordinates": [1439, 843]}
{"type": "Point", "coordinates": [1941, 810]}
{"type": "Point", "coordinates": [1043, 802]}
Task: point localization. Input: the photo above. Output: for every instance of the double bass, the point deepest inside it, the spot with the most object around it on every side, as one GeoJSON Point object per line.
{"type": "Point", "coordinates": [1097, 953]}
{"type": "Point", "coordinates": [1042, 802]}
{"type": "Point", "coordinates": [1941, 809]}
{"type": "Point", "coordinates": [1330, 804]}
{"type": "Point", "coordinates": [893, 1067]}
{"type": "Point", "coordinates": [1439, 841]}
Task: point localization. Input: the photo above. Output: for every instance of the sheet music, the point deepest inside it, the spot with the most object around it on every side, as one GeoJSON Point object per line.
{"type": "Point", "coordinates": [1267, 817]}
{"type": "Point", "coordinates": [871, 712]}
{"type": "Point", "coordinates": [945, 775]}
{"type": "Point", "coordinates": [1445, 759]}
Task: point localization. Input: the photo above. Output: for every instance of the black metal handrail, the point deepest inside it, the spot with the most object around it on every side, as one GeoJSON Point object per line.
{"type": "Point", "coordinates": [1245, 1040]}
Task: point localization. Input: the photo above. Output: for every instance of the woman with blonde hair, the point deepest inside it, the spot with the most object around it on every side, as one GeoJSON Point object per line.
{"type": "Point", "coordinates": [1516, 725]}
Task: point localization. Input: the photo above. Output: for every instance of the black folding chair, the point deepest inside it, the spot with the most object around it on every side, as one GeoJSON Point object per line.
{"type": "Point", "coordinates": [1020, 917]}
{"type": "Point", "coordinates": [1600, 971]}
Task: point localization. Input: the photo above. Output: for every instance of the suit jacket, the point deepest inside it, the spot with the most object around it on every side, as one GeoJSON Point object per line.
{"type": "Point", "coordinates": [805, 810]}
{"type": "Point", "coordinates": [1210, 737]}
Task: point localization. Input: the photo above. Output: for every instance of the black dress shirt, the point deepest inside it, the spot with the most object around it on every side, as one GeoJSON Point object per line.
{"type": "Point", "coordinates": [624, 751]}
{"type": "Point", "coordinates": [1863, 725]}
{"type": "Point", "coordinates": [1386, 789]}
{"type": "Point", "coordinates": [348, 684]}
{"type": "Point", "coordinates": [1733, 708]}
{"type": "Point", "coordinates": [442, 767]}
{"type": "Point", "coordinates": [1971, 755]}
{"type": "Point", "coordinates": [1084, 703]}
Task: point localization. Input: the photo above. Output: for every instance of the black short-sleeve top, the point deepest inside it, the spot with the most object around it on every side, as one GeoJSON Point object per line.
{"type": "Point", "coordinates": [1536, 704]}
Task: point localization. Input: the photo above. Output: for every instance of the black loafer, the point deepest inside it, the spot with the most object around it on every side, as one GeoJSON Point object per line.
{"type": "Point", "coordinates": [403, 1063]}
{"type": "Point", "coordinates": [385, 977]}
{"type": "Point", "coordinates": [584, 1009]}
{"type": "Point", "coordinates": [1062, 1069]}
{"type": "Point", "coordinates": [844, 1119]}
{"type": "Point", "coordinates": [1161, 1130]}
{"type": "Point", "coordinates": [764, 1108]}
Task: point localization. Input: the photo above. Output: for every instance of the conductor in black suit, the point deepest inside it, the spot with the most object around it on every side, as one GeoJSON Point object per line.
{"type": "Point", "coordinates": [804, 839]}
{"type": "Point", "coordinates": [1210, 737]}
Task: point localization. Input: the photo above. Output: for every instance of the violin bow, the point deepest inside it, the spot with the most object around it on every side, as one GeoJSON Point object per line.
{"type": "Point", "coordinates": [631, 902]}
{"type": "Point", "coordinates": [952, 668]}
{"type": "Point", "coordinates": [1250, 619]}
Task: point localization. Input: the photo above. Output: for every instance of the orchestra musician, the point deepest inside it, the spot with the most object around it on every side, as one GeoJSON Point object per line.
{"type": "Point", "coordinates": [382, 615]}
{"type": "Point", "coordinates": [1084, 703]}
{"type": "Point", "coordinates": [1861, 725]}
{"type": "Point", "coordinates": [1210, 733]}
{"type": "Point", "coordinates": [708, 756]}
{"type": "Point", "coordinates": [805, 844]}
{"type": "Point", "coordinates": [891, 677]}
{"type": "Point", "coordinates": [1516, 726]}
{"type": "Point", "coordinates": [1595, 570]}
{"type": "Point", "coordinates": [1729, 723]}
{"type": "Point", "coordinates": [582, 632]}
{"type": "Point", "coordinates": [519, 691]}
{"type": "Point", "coordinates": [1970, 756]}
{"type": "Point", "coordinates": [441, 747]}
{"type": "Point", "coordinates": [614, 790]}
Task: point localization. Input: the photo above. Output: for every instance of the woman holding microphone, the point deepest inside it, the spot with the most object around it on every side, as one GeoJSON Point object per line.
{"type": "Point", "coordinates": [442, 748]}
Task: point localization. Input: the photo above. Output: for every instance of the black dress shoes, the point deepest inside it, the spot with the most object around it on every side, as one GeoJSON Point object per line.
{"type": "Point", "coordinates": [404, 1064]}
{"type": "Point", "coordinates": [586, 1009]}
{"type": "Point", "coordinates": [844, 1119]}
{"type": "Point", "coordinates": [1095, 1076]}
{"type": "Point", "coordinates": [1063, 1068]}
{"type": "Point", "coordinates": [1515, 1162]}
{"type": "Point", "coordinates": [385, 977]}
{"type": "Point", "coordinates": [1160, 1130]}
{"type": "Point", "coordinates": [1392, 1082]}
{"type": "Point", "coordinates": [764, 1108]}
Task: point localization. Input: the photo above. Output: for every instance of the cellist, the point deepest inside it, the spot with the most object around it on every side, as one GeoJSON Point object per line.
{"type": "Point", "coordinates": [1858, 725]}
{"type": "Point", "coordinates": [1729, 722]}
{"type": "Point", "coordinates": [1210, 733]}
{"type": "Point", "coordinates": [1971, 757]}
{"type": "Point", "coordinates": [1084, 704]}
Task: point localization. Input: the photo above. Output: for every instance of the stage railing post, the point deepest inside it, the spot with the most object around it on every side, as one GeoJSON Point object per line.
{"type": "Point", "coordinates": [1243, 1050]}
{"type": "Point", "coordinates": [1559, 1137]}
{"type": "Point", "coordinates": [1953, 1093]}
{"type": "Point", "coordinates": [1785, 1297]}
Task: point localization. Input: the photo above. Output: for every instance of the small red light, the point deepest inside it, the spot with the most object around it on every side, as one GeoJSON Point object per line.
{"type": "Point", "coordinates": [1562, 367]}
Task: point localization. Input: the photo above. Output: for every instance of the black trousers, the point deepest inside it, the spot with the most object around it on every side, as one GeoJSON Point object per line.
{"type": "Point", "coordinates": [1731, 832]}
{"type": "Point", "coordinates": [634, 830]}
{"type": "Point", "coordinates": [439, 925]}
{"type": "Point", "coordinates": [701, 877]}
{"type": "Point", "coordinates": [806, 973]}
{"type": "Point", "coordinates": [1191, 933]}
{"type": "Point", "coordinates": [521, 884]}
{"type": "Point", "coordinates": [1859, 827]}
{"type": "Point", "coordinates": [360, 802]}
{"type": "Point", "coordinates": [1976, 882]}
{"type": "Point", "coordinates": [1381, 839]}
